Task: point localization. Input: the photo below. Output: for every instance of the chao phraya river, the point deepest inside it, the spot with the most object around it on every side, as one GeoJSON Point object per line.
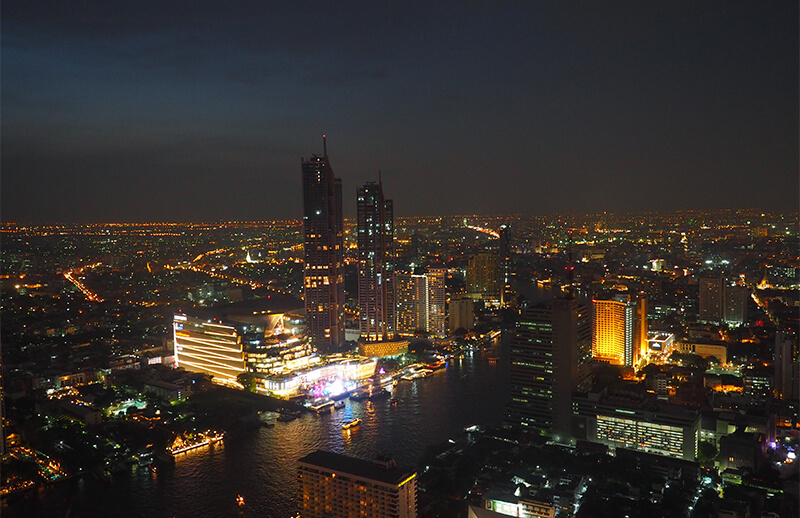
{"type": "Point", "coordinates": [261, 465]}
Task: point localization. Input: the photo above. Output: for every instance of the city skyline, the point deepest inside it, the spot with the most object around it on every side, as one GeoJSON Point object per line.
{"type": "Point", "coordinates": [162, 112]}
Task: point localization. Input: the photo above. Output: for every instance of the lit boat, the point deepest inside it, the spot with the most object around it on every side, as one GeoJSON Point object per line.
{"type": "Point", "coordinates": [321, 404]}
{"type": "Point", "coordinates": [393, 401]}
{"type": "Point", "coordinates": [351, 424]}
{"type": "Point", "coordinates": [338, 405]}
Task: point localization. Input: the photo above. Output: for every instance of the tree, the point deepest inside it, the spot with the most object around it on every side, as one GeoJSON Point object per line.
{"type": "Point", "coordinates": [706, 452]}
{"type": "Point", "coordinates": [248, 381]}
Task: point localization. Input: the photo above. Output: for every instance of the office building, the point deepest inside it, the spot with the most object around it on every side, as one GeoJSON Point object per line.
{"type": "Point", "coordinates": [323, 240]}
{"type": "Point", "coordinates": [550, 360]}
{"type": "Point", "coordinates": [619, 330]}
{"type": "Point", "coordinates": [375, 226]}
{"type": "Point", "coordinates": [332, 485]}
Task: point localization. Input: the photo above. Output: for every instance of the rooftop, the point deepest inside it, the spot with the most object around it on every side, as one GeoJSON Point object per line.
{"type": "Point", "coordinates": [358, 467]}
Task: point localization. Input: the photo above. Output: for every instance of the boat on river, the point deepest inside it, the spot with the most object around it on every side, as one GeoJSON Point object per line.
{"type": "Point", "coordinates": [351, 424]}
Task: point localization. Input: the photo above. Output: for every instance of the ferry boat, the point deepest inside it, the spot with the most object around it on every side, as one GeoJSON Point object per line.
{"type": "Point", "coordinates": [351, 424]}
{"type": "Point", "coordinates": [338, 405]}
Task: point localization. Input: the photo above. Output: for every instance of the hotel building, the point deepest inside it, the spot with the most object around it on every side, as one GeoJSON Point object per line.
{"type": "Point", "coordinates": [619, 330]}
{"type": "Point", "coordinates": [333, 485]}
{"type": "Point", "coordinates": [421, 303]}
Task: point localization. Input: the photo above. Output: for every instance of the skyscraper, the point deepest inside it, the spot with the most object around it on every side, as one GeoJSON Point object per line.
{"type": "Point", "coordinates": [550, 360]}
{"type": "Point", "coordinates": [734, 309]}
{"type": "Point", "coordinates": [710, 296]}
{"type": "Point", "coordinates": [323, 240]}
{"type": "Point", "coordinates": [412, 303]}
{"type": "Point", "coordinates": [421, 302]}
{"type": "Point", "coordinates": [484, 277]}
{"type": "Point", "coordinates": [375, 241]}
{"type": "Point", "coordinates": [787, 365]}
{"type": "Point", "coordinates": [437, 311]}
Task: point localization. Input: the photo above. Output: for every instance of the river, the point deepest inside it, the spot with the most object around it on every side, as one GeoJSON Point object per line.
{"type": "Point", "coordinates": [261, 465]}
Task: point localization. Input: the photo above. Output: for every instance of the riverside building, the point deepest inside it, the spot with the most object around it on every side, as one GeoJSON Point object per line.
{"type": "Point", "coordinates": [333, 485]}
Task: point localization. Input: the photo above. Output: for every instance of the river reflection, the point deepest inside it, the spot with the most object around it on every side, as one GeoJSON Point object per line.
{"type": "Point", "coordinates": [261, 466]}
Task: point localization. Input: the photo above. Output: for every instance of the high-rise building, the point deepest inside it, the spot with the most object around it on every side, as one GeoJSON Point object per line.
{"type": "Point", "coordinates": [710, 296]}
{"type": "Point", "coordinates": [462, 314]}
{"type": "Point", "coordinates": [505, 265]}
{"type": "Point", "coordinates": [2, 408]}
{"type": "Point", "coordinates": [619, 330]}
{"type": "Point", "coordinates": [333, 485]}
{"type": "Point", "coordinates": [437, 299]}
{"type": "Point", "coordinates": [483, 277]}
{"type": "Point", "coordinates": [550, 360]}
{"type": "Point", "coordinates": [421, 302]}
{"type": "Point", "coordinates": [734, 308]}
{"type": "Point", "coordinates": [412, 296]}
{"type": "Point", "coordinates": [323, 240]}
{"type": "Point", "coordinates": [375, 241]}
{"type": "Point", "coordinates": [787, 365]}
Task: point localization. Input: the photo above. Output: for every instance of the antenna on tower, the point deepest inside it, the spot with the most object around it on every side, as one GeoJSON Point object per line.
{"type": "Point", "coordinates": [324, 147]}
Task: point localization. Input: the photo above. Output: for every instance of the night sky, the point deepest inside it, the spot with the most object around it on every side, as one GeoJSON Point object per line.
{"type": "Point", "coordinates": [201, 111]}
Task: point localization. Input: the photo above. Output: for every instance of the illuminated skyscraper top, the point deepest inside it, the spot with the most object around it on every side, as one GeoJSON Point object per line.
{"type": "Point", "coordinates": [323, 240]}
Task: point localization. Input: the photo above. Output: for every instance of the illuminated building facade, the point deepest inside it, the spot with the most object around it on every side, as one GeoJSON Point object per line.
{"type": "Point", "coordinates": [323, 240]}
{"type": "Point", "coordinates": [437, 299]}
{"type": "Point", "coordinates": [619, 330]}
{"type": "Point", "coordinates": [412, 303]}
{"type": "Point", "coordinates": [375, 226]}
{"type": "Point", "coordinates": [421, 303]}
{"type": "Point", "coordinates": [550, 360]}
{"type": "Point", "coordinates": [224, 345]}
{"type": "Point", "coordinates": [383, 348]}
{"type": "Point", "coordinates": [208, 346]}
{"type": "Point", "coordinates": [333, 485]}
{"type": "Point", "coordinates": [608, 336]}
{"type": "Point", "coordinates": [628, 421]}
